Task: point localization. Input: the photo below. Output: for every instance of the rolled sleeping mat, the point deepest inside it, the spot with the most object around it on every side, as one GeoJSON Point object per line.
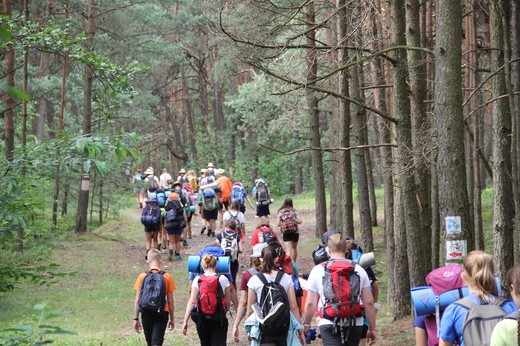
{"type": "Point", "coordinates": [195, 267]}
{"type": "Point", "coordinates": [367, 260]}
{"type": "Point", "coordinates": [210, 186]}
{"type": "Point", "coordinates": [192, 208]}
{"type": "Point", "coordinates": [423, 298]}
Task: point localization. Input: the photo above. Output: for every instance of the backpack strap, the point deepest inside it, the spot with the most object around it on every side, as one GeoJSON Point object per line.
{"type": "Point", "coordinates": [466, 303]}
{"type": "Point", "coordinates": [513, 315]}
{"type": "Point", "coordinates": [279, 277]}
{"type": "Point", "coordinates": [252, 271]}
{"type": "Point", "coordinates": [262, 278]}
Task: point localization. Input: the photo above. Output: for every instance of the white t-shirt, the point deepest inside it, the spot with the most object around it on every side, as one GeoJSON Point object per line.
{"type": "Point", "coordinates": [256, 284]}
{"type": "Point", "coordinates": [237, 215]}
{"type": "Point", "coordinates": [164, 178]}
{"type": "Point", "coordinates": [223, 280]}
{"type": "Point", "coordinates": [315, 284]}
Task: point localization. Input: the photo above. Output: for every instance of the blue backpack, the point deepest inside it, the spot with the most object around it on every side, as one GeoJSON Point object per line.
{"type": "Point", "coordinates": [209, 199]}
{"type": "Point", "coordinates": [162, 197]}
{"type": "Point", "coordinates": [237, 194]}
{"type": "Point", "coordinates": [151, 215]}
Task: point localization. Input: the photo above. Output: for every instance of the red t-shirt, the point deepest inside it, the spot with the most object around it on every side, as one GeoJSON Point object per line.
{"type": "Point", "coordinates": [254, 236]}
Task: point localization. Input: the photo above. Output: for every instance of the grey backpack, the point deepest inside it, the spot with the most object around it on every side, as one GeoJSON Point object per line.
{"type": "Point", "coordinates": [481, 320]}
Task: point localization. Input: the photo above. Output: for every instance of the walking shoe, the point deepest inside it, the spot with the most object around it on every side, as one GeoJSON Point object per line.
{"type": "Point", "coordinates": [273, 314]}
{"type": "Point", "coordinates": [170, 256]}
{"type": "Point", "coordinates": [189, 237]}
{"type": "Point", "coordinates": [209, 232]}
{"type": "Point", "coordinates": [258, 311]}
{"type": "Point", "coordinates": [184, 243]}
{"type": "Point", "coordinates": [178, 258]}
{"type": "Point", "coordinates": [164, 250]}
{"type": "Point", "coordinates": [203, 229]}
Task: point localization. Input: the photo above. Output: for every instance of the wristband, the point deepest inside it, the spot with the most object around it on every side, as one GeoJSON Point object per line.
{"type": "Point", "coordinates": [136, 319]}
{"type": "Point", "coordinates": [306, 324]}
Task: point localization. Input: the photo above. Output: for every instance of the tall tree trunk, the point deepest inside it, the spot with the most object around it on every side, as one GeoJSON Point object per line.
{"type": "Point", "coordinates": [314, 122]}
{"type": "Point", "coordinates": [419, 123]}
{"type": "Point", "coordinates": [345, 165]}
{"type": "Point", "coordinates": [383, 128]}
{"type": "Point", "coordinates": [359, 125]}
{"type": "Point", "coordinates": [189, 112]}
{"type": "Point", "coordinates": [453, 195]}
{"type": "Point", "coordinates": [9, 103]}
{"type": "Point", "coordinates": [419, 266]}
{"type": "Point", "coordinates": [503, 204]}
{"type": "Point", "coordinates": [515, 145]}
{"type": "Point", "coordinates": [88, 76]}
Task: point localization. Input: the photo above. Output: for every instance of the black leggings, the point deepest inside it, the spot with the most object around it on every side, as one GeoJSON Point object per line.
{"type": "Point", "coordinates": [213, 333]}
{"type": "Point", "coordinates": [154, 328]}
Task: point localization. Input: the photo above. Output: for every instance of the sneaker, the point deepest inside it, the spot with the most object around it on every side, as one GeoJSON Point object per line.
{"type": "Point", "coordinates": [184, 243]}
{"type": "Point", "coordinates": [170, 256]}
{"type": "Point", "coordinates": [164, 250]}
{"type": "Point", "coordinates": [189, 237]}
{"type": "Point", "coordinates": [273, 314]}
{"type": "Point", "coordinates": [203, 229]}
{"type": "Point", "coordinates": [209, 232]}
{"type": "Point", "coordinates": [178, 257]}
{"type": "Point", "coordinates": [258, 311]}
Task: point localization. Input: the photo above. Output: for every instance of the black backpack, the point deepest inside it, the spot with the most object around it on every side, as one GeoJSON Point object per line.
{"type": "Point", "coordinates": [175, 216]}
{"type": "Point", "coordinates": [272, 293]}
{"type": "Point", "coordinates": [152, 296]}
{"type": "Point", "coordinates": [319, 254]}
{"type": "Point", "coordinates": [262, 192]}
{"type": "Point", "coordinates": [151, 215]}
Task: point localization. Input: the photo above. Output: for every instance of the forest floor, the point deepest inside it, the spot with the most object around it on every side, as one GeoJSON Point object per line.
{"type": "Point", "coordinates": [112, 257]}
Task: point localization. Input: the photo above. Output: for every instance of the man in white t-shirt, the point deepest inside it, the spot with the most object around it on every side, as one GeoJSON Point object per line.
{"type": "Point", "coordinates": [165, 178]}
{"type": "Point", "coordinates": [337, 249]}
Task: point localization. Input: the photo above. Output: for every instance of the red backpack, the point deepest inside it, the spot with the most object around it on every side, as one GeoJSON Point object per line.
{"type": "Point", "coordinates": [341, 290]}
{"type": "Point", "coordinates": [211, 303]}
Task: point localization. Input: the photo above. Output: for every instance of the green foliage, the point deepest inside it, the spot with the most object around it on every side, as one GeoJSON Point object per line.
{"type": "Point", "coordinates": [37, 331]}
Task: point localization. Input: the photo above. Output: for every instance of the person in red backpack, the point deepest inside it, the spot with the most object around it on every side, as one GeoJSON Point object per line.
{"type": "Point", "coordinates": [263, 232]}
{"type": "Point", "coordinates": [332, 333]}
{"type": "Point", "coordinates": [288, 221]}
{"type": "Point", "coordinates": [211, 327]}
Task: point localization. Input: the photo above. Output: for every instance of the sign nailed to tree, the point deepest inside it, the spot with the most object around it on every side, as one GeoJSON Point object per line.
{"type": "Point", "coordinates": [453, 225]}
{"type": "Point", "coordinates": [456, 249]}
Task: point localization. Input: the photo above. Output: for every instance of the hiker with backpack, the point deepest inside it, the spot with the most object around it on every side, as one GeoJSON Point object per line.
{"type": "Point", "coordinates": [138, 184]}
{"type": "Point", "coordinates": [208, 305]}
{"type": "Point", "coordinates": [505, 330]}
{"type": "Point", "coordinates": [288, 221]}
{"type": "Point", "coordinates": [263, 232]}
{"type": "Point", "coordinates": [244, 279]}
{"type": "Point", "coordinates": [154, 301]}
{"type": "Point", "coordinates": [262, 197]}
{"type": "Point", "coordinates": [239, 194]}
{"type": "Point", "coordinates": [272, 299]}
{"type": "Point", "coordinates": [229, 240]}
{"type": "Point", "coordinates": [470, 320]}
{"type": "Point", "coordinates": [151, 220]}
{"type": "Point", "coordinates": [235, 214]}
{"type": "Point", "coordinates": [175, 222]}
{"type": "Point", "coordinates": [209, 201]}
{"type": "Point", "coordinates": [340, 309]}
{"type": "Point", "coordinates": [186, 201]}
{"type": "Point", "coordinates": [164, 178]}
{"type": "Point", "coordinates": [224, 196]}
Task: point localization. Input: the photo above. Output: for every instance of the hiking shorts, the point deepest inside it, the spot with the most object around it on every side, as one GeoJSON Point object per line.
{"type": "Point", "coordinates": [242, 208]}
{"type": "Point", "coordinates": [147, 229]}
{"type": "Point", "coordinates": [154, 327]}
{"type": "Point", "coordinates": [175, 231]}
{"type": "Point", "coordinates": [210, 214]}
{"type": "Point", "coordinates": [291, 236]}
{"type": "Point", "coordinates": [262, 210]}
{"type": "Point", "coordinates": [330, 337]}
{"type": "Point", "coordinates": [190, 217]}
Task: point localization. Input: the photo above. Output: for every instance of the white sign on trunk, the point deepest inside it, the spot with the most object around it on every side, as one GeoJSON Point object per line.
{"type": "Point", "coordinates": [453, 225]}
{"type": "Point", "coordinates": [456, 249]}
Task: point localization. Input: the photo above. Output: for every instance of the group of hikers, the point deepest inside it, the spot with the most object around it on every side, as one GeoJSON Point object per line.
{"type": "Point", "coordinates": [337, 300]}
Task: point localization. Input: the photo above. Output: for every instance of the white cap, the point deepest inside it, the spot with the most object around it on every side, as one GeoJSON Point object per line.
{"type": "Point", "coordinates": [257, 249]}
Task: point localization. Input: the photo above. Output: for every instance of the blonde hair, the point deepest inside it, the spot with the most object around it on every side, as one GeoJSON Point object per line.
{"type": "Point", "coordinates": [209, 261]}
{"type": "Point", "coordinates": [479, 273]}
{"type": "Point", "coordinates": [262, 221]}
{"type": "Point", "coordinates": [337, 243]}
{"type": "Point", "coordinates": [257, 262]}
{"type": "Point", "coordinates": [154, 255]}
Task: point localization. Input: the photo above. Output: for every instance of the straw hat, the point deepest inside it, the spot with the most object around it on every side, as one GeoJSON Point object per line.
{"type": "Point", "coordinates": [210, 165]}
{"type": "Point", "coordinates": [220, 171]}
{"type": "Point", "coordinates": [148, 171]}
{"type": "Point", "coordinates": [182, 171]}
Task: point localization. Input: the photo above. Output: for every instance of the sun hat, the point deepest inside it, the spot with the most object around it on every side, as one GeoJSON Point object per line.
{"type": "Point", "coordinates": [182, 171]}
{"type": "Point", "coordinates": [203, 170]}
{"type": "Point", "coordinates": [220, 171]}
{"type": "Point", "coordinates": [148, 171]}
{"type": "Point", "coordinates": [210, 165]}
{"type": "Point", "coordinates": [257, 249]}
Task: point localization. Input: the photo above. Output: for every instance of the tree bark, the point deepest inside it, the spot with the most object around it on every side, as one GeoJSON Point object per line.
{"type": "Point", "coordinates": [314, 122]}
{"type": "Point", "coordinates": [453, 195]}
{"type": "Point", "coordinates": [515, 145]}
{"type": "Point", "coordinates": [9, 102]}
{"type": "Point", "coordinates": [503, 204]}
{"type": "Point", "coordinates": [88, 76]}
